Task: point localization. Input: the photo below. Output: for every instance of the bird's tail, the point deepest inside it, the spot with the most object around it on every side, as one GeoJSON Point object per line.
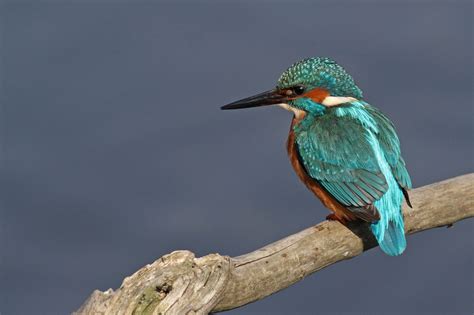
{"type": "Point", "coordinates": [390, 236]}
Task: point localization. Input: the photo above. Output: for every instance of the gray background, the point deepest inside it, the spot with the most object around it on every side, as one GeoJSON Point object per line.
{"type": "Point", "coordinates": [115, 151]}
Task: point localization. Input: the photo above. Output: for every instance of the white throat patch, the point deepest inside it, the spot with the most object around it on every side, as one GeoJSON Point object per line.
{"type": "Point", "coordinates": [298, 112]}
{"type": "Point", "coordinates": [336, 100]}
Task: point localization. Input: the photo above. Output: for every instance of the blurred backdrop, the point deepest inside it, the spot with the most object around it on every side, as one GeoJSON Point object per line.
{"type": "Point", "coordinates": [115, 152]}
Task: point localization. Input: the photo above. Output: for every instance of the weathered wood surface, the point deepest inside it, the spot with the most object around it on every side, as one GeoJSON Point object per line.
{"type": "Point", "coordinates": [180, 283]}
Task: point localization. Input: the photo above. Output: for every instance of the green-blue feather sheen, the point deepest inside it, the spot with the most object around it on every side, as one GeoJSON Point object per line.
{"type": "Point", "coordinates": [320, 72]}
{"type": "Point", "coordinates": [354, 152]}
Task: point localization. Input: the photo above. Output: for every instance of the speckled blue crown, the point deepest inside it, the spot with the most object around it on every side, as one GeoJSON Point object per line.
{"type": "Point", "coordinates": [320, 72]}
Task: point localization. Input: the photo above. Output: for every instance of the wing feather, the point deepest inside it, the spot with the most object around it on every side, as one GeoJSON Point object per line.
{"type": "Point", "coordinates": [337, 153]}
{"type": "Point", "coordinates": [390, 143]}
{"type": "Point", "coordinates": [335, 150]}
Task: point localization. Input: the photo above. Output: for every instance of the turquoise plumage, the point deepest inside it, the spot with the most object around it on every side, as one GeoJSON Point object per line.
{"type": "Point", "coordinates": [346, 151]}
{"type": "Point", "coordinates": [353, 151]}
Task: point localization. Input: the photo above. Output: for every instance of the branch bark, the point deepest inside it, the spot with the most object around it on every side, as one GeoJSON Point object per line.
{"type": "Point", "coordinates": [180, 283]}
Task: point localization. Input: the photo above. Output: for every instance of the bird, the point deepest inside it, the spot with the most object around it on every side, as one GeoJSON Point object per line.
{"type": "Point", "coordinates": [343, 149]}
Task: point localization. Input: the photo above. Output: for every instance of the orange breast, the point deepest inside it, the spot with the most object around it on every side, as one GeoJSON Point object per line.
{"type": "Point", "coordinates": [329, 201]}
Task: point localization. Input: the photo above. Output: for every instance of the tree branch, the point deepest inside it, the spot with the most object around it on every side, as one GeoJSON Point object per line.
{"type": "Point", "coordinates": [180, 283]}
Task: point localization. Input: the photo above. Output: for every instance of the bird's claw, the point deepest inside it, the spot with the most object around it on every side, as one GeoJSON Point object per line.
{"type": "Point", "coordinates": [334, 217]}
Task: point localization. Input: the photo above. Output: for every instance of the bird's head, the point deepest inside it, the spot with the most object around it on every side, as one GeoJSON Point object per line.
{"type": "Point", "coordinates": [308, 86]}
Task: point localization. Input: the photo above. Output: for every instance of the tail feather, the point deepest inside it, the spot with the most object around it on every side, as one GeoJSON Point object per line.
{"type": "Point", "coordinates": [392, 239]}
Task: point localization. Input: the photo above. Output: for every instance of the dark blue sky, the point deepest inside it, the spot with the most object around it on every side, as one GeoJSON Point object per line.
{"type": "Point", "coordinates": [115, 151]}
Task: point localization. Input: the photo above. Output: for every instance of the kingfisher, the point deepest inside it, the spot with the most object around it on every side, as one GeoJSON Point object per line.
{"type": "Point", "coordinates": [344, 150]}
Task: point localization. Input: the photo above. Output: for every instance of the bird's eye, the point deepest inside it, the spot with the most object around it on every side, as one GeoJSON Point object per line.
{"type": "Point", "coordinates": [298, 89]}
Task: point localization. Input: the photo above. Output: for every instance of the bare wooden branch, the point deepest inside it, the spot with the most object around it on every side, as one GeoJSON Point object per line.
{"type": "Point", "coordinates": [180, 283]}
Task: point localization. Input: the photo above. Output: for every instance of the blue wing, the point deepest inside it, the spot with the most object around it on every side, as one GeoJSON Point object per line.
{"type": "Point", "coordinates": [390, 144]}
{"type": "Point", "coordinates": [336, 151]}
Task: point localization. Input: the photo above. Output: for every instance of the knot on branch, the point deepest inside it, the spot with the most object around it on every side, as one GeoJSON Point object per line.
{"type": "Point", "coordinates": [177, 283]}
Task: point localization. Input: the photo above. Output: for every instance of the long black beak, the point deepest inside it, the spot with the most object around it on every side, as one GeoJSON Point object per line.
{"type": "Point", "coordinates": [271, 97]}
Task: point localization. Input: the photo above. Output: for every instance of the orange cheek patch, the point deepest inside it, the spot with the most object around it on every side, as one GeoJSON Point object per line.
{"type": "Point", "coordinates": [317, 94]}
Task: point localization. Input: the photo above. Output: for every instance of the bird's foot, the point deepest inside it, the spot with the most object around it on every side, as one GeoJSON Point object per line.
{"type": "Point", "coordinates": [334, 217]}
